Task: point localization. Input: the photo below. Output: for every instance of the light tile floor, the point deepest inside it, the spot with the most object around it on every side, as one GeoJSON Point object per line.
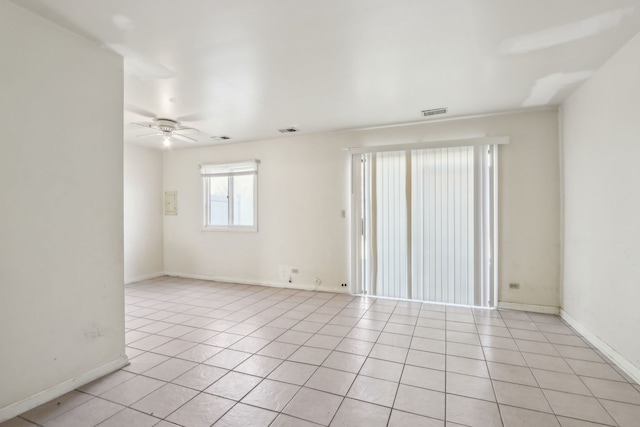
{"type": "Point", "coordinates": [206, 353]}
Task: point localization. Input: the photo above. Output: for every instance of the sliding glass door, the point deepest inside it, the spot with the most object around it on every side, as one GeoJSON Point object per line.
{"type": "Point", "coordinates": [427, 224]}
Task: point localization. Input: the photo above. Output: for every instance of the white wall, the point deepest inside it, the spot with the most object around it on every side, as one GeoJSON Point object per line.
{"type": "Point", "coordinates": [143, 247]}
{"type": "Point", "coordinates": [601, 144]}
{"type": "Point", "coordinates": [304, 185]}
{"type": "Point", "coordinates": [61, 262]}
{"type": "Point", "coordinates": [302, 188]}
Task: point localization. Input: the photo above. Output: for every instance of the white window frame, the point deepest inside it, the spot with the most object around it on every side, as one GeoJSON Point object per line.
{"type": "Point", "coordinates": [228, 170]}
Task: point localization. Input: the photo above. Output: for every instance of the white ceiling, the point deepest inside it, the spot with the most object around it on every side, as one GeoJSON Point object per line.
{"type": "Point", "coordinates": [245, 68]}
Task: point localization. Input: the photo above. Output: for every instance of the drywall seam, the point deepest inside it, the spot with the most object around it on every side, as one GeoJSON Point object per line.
{"type": "Point", "coordinates": [144, 277]}
{"type": "Point", "coordinates": [57, 390]}
{"type": "Point", "coordinates": [299, 286]}
{"type": "Point", "coordinates": [546, 309]}
{"type": "Point", "coordinates": [630, 369]}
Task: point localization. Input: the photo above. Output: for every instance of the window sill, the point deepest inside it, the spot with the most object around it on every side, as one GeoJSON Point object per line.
{"type": "Point", "coordinates": [232, 229]}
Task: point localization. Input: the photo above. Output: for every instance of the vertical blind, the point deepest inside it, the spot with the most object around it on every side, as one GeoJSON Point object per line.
{"type": "Point", "coordinates": [391, 224]}
{"type": "Point", "coordinates": [421, 222]}
{"type": "Point", "coordinates": [443, 224]}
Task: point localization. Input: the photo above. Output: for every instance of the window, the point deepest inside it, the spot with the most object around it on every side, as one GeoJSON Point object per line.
{"type": "Point", "coordinates": [230, 196]}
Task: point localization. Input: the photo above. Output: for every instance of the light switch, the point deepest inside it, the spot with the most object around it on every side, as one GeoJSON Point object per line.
{"type": "Point", "coordinates": [171, 203]}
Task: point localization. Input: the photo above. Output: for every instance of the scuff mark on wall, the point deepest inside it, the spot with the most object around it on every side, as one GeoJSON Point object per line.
{"type": "Point", "coordinates": [93, 331]}
{"type": "Point", "coordinates": [564, 33]}
{"type": "Point", "coordinates": [547, 87]}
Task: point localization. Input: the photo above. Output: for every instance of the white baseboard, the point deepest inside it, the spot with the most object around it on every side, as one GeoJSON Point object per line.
{"type": "Point", "coordinates": [144, 277]}
{"type": "Point", "coordinates": [323, 288]}
{"type": "Point", "coordinates": [628, 368]}
{"type": "Point", "coordinates": [545, 309]}
{"type": "Point", "coordinates": [241, 281]}
{"type": "Point", "coordinates": [58, 390]}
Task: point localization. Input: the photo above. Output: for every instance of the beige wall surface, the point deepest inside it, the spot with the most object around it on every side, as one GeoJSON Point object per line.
{"type": "Point", "coordinates": [304, 185]}
{"type": "Point", "coordinates": [601, 146]}
{"type": "Point", "coordinates": [143, 208]}
{"type": "Point", "coordinates": [61, 261]}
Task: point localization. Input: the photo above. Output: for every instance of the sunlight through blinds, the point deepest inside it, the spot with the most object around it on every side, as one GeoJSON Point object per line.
{"type": "Point", "coordinates": [391, 227]}
{"type": "Point", "coordinates": [419, 234]}
{"type": "Point", "coordinates": [442, 255]}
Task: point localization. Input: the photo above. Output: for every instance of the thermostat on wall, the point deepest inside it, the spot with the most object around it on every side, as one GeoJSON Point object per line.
{"type": "Point", "coordinates": [171, 203]}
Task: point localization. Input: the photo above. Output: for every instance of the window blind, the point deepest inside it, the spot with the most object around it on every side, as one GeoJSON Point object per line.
{"type": "Point", "coordinates": [229, 169]}
{"type": "Point", "coordinates": [425, 233]}
{"type": "Point", "coordinates": [443, 224]}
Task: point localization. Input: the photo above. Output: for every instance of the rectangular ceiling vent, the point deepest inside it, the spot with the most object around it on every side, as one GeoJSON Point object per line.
{"type": "Point", "coordinates": [221, 137]}
{"type": "Point", "coordinates": [288, 130]}
{"type": "Point", "coordinates": [434, 112]}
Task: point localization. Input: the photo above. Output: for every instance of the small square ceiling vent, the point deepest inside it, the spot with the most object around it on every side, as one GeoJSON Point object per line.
{"type": "Point", "coordinates": [434, 112]}
{"type": "Point", "coordinates": [288, 130]}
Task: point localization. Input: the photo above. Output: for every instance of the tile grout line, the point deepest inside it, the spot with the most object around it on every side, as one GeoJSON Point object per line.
{"type": "Point", "coordinates": [184, 300]}
{"type": "Point", "coordinates": [405, 359]}
{"type": "Point", "coordinates": [538, 384]}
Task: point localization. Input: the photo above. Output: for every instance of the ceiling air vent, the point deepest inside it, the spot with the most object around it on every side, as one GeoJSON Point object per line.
{"type": "Point", "coordinates": [221, 137]}
{"type": "Point", "coordinates": [434, 112]}
{"type": "Point", "coordinates": [288, 130]}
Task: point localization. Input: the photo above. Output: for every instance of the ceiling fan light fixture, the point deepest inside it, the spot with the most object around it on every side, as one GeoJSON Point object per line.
{"type": "Point", "coordinates": [168, 129]}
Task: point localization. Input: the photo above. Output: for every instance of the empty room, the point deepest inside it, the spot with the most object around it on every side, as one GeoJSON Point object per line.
{"type": "Point", "coordinates": [340, 213]}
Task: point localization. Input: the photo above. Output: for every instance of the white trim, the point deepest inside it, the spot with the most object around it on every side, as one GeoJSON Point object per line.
{"type": "Point", "coordinates": [546, 309]}
{"type": "Point", "coordinates": [628, 368]}
{"type": "Point", "coordinates": [444, 304]}
{"type": "Point", "coordinates": [225, 168]}
{"type": "Point", "coordinates": [467, 142]}
{"type": "Point", "coordinates": [233, 228]}
{"type": "Point", "coordinates": [243, 281]}
{"type": "Point", "coordinates": [439, 119]}
{"type": "Point", "coordinates": [355, 224]}
{"type": "Point", "coordinates": [143, 277]}
{"type": "Point", "coordinates": [206, 204]}
{"type": "Point", "coordinates": [562, 202]}
{"type": "Point", "coordinates": [57, 390]}
{"type": "Point", "coordinates": [496, 228]}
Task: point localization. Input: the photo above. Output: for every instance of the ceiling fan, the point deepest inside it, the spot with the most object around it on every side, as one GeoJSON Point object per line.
{"type": "Point", "coordinates": [168, 129]}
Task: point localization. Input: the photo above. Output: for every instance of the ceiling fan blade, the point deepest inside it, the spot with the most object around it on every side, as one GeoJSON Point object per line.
{"type": "Point", "coordinates": [144, 124]}
{"type": "Point", "coordinates": [140, 111]}
{"type": "Point", "coordinates": [195, 117]}
{"type": "Point", "coordinates": [183, 128]}
{"type": "Point", "coordinates": [151, 134]}
{"type": "Point", "coordinates": [177, 135]}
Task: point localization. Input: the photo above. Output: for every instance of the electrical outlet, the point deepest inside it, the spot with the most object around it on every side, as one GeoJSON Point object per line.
{"type": "Point", "coordinates": [284, 272]}
{"type": "Point", "coordinates": [514, 285]}
{"type": "Point", "coordinates": [294, 271]}
{"type": "Point", "coordinates": [343, 284]}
